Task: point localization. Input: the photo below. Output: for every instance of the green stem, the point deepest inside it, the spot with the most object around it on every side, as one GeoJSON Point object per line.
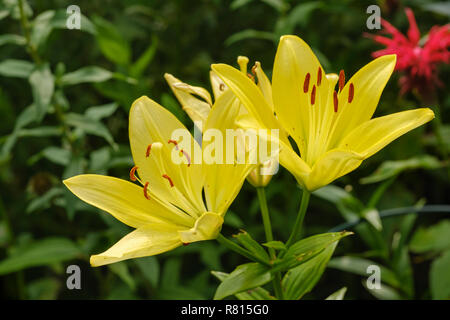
{"type": "Point", "coordinates": [26, 31]}
{"type": "Point", "coordinates": [265, 217]}
{"type": "Point", "coordinates": [300, 216]}
{"type": "Point", "coordinates": [238, 249]}
{"type": "Point", "coordinates": [269, 237]}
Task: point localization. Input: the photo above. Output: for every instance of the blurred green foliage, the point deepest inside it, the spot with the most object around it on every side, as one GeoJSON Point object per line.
{"type": "Point", "coordinates": [64, 101]}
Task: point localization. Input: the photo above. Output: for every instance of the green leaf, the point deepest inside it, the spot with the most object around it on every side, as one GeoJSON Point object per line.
{"type": "Point", "coordinates": [86, 74]}
{"type": "Point", "coordinates": [138, 68]}
{"type": "Point", "coordinates": [349, 206]}
{"type": "Point", "coordinates": [373, 217]}
{"type": "Point", "coordinates": [49, 20]}
{"type": "Point", "coordinates": [44, 131]}
{"type": "Point", "coordinates": [12, 39]}
{"type": "Point", "coordinates": [440, 277]}
{"type": "Point", "coordinates": [43, 289]}
{"type": "Point", "coordinates": [39, 253]}
{"type": "Point", "coordinates": [278, 5]}
{"type": "Point", "coordinates": [149, 266]}
{"type": "Point", "coordinates": [54, 154]}
{"type": "Point", "coordinates": [90, 126]}
{"type": "Point", "coordinates": [338, 295]}
{"type": "Point", "coordinates": [244, 277]}
{"type": "Point", "coordinates": [250, 34]}
{"type": "Point", "coordinates": [302, 279]}
{"type": "Point", "coordinates": [112, 44]}
{"type": "Point", "coordinates": [251, 245]}
{"type": "Point", "coordinates": [42, 85]}
{"type": "Point", "coordinates": [384, 292]}
{"type": "Point", "coordinates": [306, 249]}
{"type": "Point", "coordinates": [278, 245]}
{"type": "Point", "coordinates": [359, 266]}
{"type": "Point", "coordinates": [100, 112]}
{"type": "Point", "coordinates": [122, 271]}
{"type": "Point", "coordinates": [16, 68]}
{"type": "Point", "coordinates": [43, 202]}
{"type": "Point", "coordinates": [442, 8]}
{"type": "Point", "coordinates": [389, 169]}
{"type": "Point", "coordinates": [252, 294]}
{"type": "Point", "coordinates": [236, 4]}
{"type": "Point", "coordinates": [435, 238]}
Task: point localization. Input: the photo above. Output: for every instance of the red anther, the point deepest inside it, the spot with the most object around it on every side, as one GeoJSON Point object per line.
{"type": "Point", "coordinates": [313, 95]}
{"type": "Point", "coordinates": [168, 178]}
{"type": "Point", "coordinates": [132, 172]}
{"type": "Point", "coordinates": [319, 76]}
{"type": "Point", "coordinates": [251, 77]}
{"type": "Point", "coordinates": [187, 156]}
{"type": "Point", "coordinates": [306, 83]}
{"type": "Point", "coordinates": [351, 93]}
{"type": "Point", "coordinates": [145, 191]}
{"type": "Point", "coordinates": [186, 243]}
{"type": "Point", "coordinates": [335, 100]}
{"type": "Point", "coordinates": [341, 80]}
{"type": "Point", "coordinates": [149, 148]}
{"type": "Point", "coordinates": [254, 70]}
{"type": "Point", "coordinates": [174, 143]}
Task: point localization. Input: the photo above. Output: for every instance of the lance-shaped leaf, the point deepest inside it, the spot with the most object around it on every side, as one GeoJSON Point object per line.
{"type": "Point", "coordinates": [251, 245]}
{"type": "Point", "coordinates": [244, 277]}
{"type": "Point", "coordinates": [252, 294]}
{"type": "Point", "coordinates": [302, 279]}
{"type": "Point", "coordinates": [306, 249]}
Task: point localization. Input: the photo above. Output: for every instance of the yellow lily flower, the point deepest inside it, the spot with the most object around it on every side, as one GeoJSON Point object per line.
{"type": "Point", "coordinates": [197, 103]}
{"type": "Point", "coordinates": [333, 130]}
{"type": "Point", "coordinates": [167, 209]}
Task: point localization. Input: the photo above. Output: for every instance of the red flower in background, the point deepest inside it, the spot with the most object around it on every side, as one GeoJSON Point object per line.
{"type": "Point", "coordinates": [418, 63]}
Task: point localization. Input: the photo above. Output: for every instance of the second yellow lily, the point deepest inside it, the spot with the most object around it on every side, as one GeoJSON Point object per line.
{"type": "Point", "coordinates": [332, 129]}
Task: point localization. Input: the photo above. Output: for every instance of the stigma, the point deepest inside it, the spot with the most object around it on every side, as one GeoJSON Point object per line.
{"type": "Point", "coordinates": [186, 155]}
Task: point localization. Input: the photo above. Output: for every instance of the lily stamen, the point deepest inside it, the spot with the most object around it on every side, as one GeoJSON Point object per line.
{"type": "Point", "coordinates": [351, 93]}
{"type": "Point", "coordinates": [306, 83]}
{"type": "Point", "coordinates": [319, 76]}
{"type": "Point", "coordinates": [168, 178]}
{"type": "Point", "coordinates": [132, 173]}
{"type": "Point", "coordinates": [313, 94]}
{"type": "Point", "coordinates": [145, 191]}
{"type": "Point", "coordinates": [341, 80]}
{"type": "Point", "coordinates": [336, 101]}
{"type": "Point", "coordinates": [174, 143]}
{"type": "Point", "coordinates": [149, 148]}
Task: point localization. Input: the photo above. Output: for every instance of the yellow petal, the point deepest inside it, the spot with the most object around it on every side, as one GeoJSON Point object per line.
{"type": "Point", "coordinates": [206, 227]}
{"type": "Point", "coordinates": [294, 60]}
{"type": "Point", "coordinates": [375, 134]}
{"type": "Point", "coordinates": [330, 166]}
{"type": "Point", "coordinates": [124, 200]}
{"type": "Point", "coordinates": [151, 123]}
{"type": "Point", "coordinates": [368, 84]}
{"type": "Point", "coordinates": [197, 109]}
{"type": "Point", "coordinates": [145, 241]}
{"type": "Point", "coordinates": [294, 164]}
{"type": "Point", "coordinates": [264, 84]}
{"type": "Point", "coordinates": [224, 180]}
{"type": "Point", "coordinates": [250, 96]}
{"type": "Point", "coordinates": [218, 86]}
